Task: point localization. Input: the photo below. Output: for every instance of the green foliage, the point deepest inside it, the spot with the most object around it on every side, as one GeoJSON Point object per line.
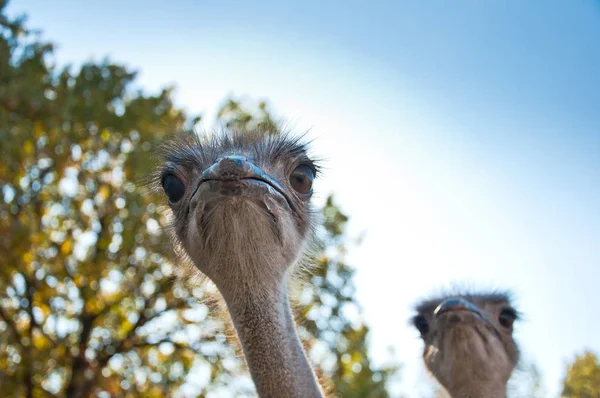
{"type": "Point", "coordinates": [88, 298]}
{"type": "Point", "coordinates": [583, 377]}
{"type": "Point", "coordinates": [234, 114]}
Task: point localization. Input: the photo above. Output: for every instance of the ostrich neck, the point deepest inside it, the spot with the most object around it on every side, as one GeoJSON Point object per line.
{"type": "Point", "coordinates": [266, 329]}
{"type": "Point", "coordinates": [479, 391]}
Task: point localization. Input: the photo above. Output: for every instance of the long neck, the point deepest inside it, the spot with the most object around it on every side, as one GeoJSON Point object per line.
{"type": "Point", "coordinates": [274, 354]}
{"type": "Point", "coordinates": [476, 390]}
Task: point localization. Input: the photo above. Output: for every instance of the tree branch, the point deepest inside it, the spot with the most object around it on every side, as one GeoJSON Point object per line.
{"type": "Point", "coordinates": [40, 329]}
{"type": "Point", "coordinates": [101, 363]}
{"type": "Point", "coordinates": [79, 363]}
{"type": "Point", "coordinates": [77, 381]}
{"type": "Point", "coordinates": [11, 325]}
{"type": "Point", "coordinates": [167, 340]}
{"type": "Point", "coordinates": [28, 350]}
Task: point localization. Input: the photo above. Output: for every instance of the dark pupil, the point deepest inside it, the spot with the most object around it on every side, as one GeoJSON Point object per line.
{"type": "Point", "coordinates": [507, 317]}
{"type": "Point", "coordinates": [301, 179]}
{"type": "Point", "coordinates": [174, 188]}
{"type": "Point", "coordinates": [422, 325]}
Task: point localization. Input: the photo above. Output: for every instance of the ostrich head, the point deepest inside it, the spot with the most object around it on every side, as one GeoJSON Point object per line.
{"type": "Point", "coordinates": [469, 345]}
{"type": "Point", "coordinates": [240, 200]}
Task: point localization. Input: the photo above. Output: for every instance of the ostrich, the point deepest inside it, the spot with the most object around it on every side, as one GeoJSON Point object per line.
{"type": "Point", "coordinates": [240, 210]}
{"type": "Point", "coordinates": [469, 347]}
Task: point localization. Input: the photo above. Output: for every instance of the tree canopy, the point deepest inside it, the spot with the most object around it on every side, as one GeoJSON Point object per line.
{"type": "Point", "coordinates": [583, 377]}
{"type": "Point", "coordinates": [89, 302]}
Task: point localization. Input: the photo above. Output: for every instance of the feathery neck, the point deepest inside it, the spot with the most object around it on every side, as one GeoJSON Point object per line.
{"type": "Point", "coordinates": [476, 390]}
{"type": "Point", "coordinates": [266, 329]}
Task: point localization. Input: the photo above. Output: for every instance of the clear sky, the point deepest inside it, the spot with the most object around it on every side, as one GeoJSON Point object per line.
{"type": "Point", "coordinates": [463, 138]}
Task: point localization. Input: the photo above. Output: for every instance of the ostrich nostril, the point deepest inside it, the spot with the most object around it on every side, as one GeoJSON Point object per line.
{"type": "Point", "coordinates": [232, 167]}
{"type": "Point", "coordinates": [233, 161]}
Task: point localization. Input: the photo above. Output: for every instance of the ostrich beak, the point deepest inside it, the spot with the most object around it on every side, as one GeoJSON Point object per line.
{"type": "Point", "coordinates": [232, 171]}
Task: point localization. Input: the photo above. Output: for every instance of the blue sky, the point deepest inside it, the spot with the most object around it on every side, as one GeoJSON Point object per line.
{"type": "Point", "coordinates": [463, 138]}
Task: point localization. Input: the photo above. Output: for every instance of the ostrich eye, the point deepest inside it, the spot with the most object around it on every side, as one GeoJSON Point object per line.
{"type": "Point", "coordinates": [173, 187]}
{"type": "Point", "coordinates": [302, 179]}
{"type": "Point", "coordinates": [422, 325]}
{"type": "Point", "coordinates": [507, 317]}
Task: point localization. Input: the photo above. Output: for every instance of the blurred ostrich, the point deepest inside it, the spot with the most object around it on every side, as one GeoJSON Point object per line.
{"type": "Point", "coordinates": [469, 346]}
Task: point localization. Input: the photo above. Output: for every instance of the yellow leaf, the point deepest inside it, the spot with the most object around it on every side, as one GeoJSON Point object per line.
{"type": "Point", "coordinates": [65, 248]}
{"type": "Point", "coordinates": [39, 341]}
{"type": "Point", "coordinates": [104, 192]}
{"type": "Point", "coordinates": [38, 129]}
{"type": "Point", "coordinates": [28, 147]}
{"type": "Point", "coordinates": [27, 257]}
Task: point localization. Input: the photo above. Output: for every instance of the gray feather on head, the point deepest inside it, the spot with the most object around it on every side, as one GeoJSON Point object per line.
{"type": "Point", "coordinates": [239, 197]}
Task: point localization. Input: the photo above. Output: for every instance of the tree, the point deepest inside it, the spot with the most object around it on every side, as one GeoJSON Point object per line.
{"type": "Point", "coordinates": [583, 377]}
{"type": "Point", "coordinates": [238, 114]}
{"type": "Point", "coordinates": [89, 302]}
